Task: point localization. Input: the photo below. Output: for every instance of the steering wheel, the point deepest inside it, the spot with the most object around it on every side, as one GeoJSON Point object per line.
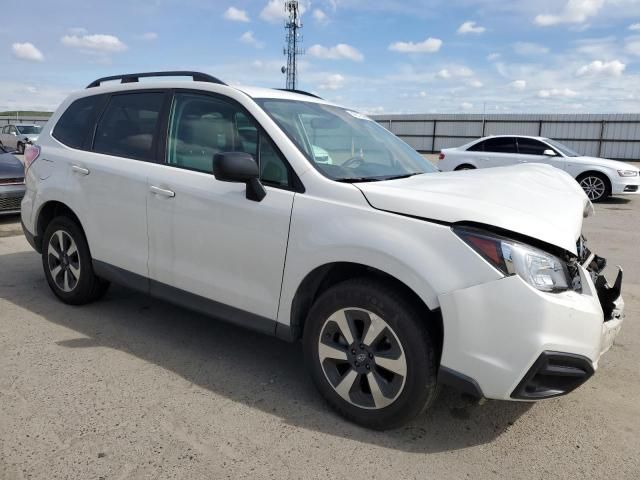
{"type": "Point", "coordinates": [353, 162]}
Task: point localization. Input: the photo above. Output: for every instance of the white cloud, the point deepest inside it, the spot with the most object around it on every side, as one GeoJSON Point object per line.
{"type": "Point", "coordinates": [27, 51]}
{"type": "Point", "coordinates": [633, 46]}
{"type": "Point", "coordinates": [342, 51]}
{"type": "Point", "coordinates": [614, 68]}
{"type": "Point", "coordinates": [148, 36]}
{"type": "Point", "coordinates": [455, 71]}
{"type": "Point", "coordinates": [236, 15]}
{"type": "Point", "coordinates": [470, 27]}
{"type": "Point", "coordinates": [248, 39]}
{"type": "Point", "coordinates": [529, 49]}
{"type": "Point", "coordinates": [320, 17]}
{"type": "Point", "coordinates": [466, 106]}
{"type": "Point", "coordinates": [333, 82]}
{"type": "Point", "coordinates": [574, 11]}
{"type": "Point", "coordinates": [476, 83]}
{"type": "Point", "coordinates": [634, 27]}
{"type": "Point", "coordinates": [274, 11]}
{"type": "Point", "coordinates": [518, 85]}
{"type": "Point", "coordinates": [94, 43]}
{"type": "Point", "coordinates": [430, 45]}
{"type": "Point", "coordinates": [557, 92]}
{"type": "Point", "coordinates": [422, 94]}
{"type": "Point", "coordinates": [493, 56]}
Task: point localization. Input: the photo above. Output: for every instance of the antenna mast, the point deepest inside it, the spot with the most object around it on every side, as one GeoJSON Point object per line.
{"type": "Point", "coordinates": [293, 40]}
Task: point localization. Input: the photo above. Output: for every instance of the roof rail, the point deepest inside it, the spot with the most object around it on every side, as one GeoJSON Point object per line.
{"type": "Point", "coordinates": [300, 92]}
{"type": "Point", "coordinates": [135, 77]}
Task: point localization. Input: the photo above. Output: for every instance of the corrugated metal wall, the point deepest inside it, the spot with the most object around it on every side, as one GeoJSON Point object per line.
{"type": "Point", "coordinates": [614, 136]}
{"type": "Point", "coordinates": [4, 120]}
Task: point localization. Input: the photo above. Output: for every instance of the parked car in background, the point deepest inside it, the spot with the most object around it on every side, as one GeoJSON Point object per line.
{"type": "Point", "coordinates": [12, 186]}
{"type": "Point", "coordinates": [19, 136]}
{"type": "Point", "coordinates": [397, 277]}
{"type": "Point", "coordinates": [598, 177]}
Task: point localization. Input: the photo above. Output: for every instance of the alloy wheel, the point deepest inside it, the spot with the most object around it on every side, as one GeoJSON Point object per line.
{"type": "Point", "coordinates": [594, 187]}
{"type": "Point", "coordinates": [362, 358]}
{"type": "Point", "coordinates": [63, 260]}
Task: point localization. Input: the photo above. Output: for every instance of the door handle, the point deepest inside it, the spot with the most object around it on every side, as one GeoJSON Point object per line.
{"type": "Point", "coordinates": [80, 170]}
{"type": "Point", "coordinates": [162, 191]}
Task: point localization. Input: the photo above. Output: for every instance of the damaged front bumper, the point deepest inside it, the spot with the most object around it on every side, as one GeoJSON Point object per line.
{"type": "Point", "coordinates": [507, 340]}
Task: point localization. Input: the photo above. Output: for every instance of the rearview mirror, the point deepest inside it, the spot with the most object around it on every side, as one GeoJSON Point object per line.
{"type": "Point", "coordinates": [549, 153]}
{"type": "Point", "coordinates": [239, 167]}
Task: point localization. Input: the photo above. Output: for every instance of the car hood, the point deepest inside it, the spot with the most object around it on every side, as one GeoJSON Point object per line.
{"type": "Point", "coordinates": [32, 138]}
{"type": "Point", "coordinates": [602, 162]}
{"type": "Point", "coordinates": [539, 201]}
{"type": "Point", "coordinates": [10, 166]}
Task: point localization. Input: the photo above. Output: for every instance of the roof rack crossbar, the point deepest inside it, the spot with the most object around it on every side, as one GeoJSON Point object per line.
{"type": "Point", "coordinates": [135, 77]}
{"type": "Point", "coordinates": [300, 92]}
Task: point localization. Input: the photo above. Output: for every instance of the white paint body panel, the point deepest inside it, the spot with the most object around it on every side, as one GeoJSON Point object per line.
{"type": "Point", "coordinates": [211, 241]}
{"type": "Point", "coordinates": [575, 166]}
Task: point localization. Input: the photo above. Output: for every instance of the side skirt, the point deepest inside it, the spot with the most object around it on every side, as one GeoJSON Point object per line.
{"type": "Point", "coordinates": [185, 299]}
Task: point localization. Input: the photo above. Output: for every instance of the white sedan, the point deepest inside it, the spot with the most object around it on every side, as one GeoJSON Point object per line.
{"type": "Point", "coordinates": [598, 177]}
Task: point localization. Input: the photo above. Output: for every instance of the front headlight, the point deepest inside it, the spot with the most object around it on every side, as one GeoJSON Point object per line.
{"type": "Point", "coordinates": [540, 269]}
{"type": "Point", "coordinates": [628, 173]}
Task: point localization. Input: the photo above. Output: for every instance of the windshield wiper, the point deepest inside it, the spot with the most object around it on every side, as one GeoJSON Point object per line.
{"type": "Point", "coordinates": [359, 179]}
{"type": "Point", "coordinates": [406, 175]}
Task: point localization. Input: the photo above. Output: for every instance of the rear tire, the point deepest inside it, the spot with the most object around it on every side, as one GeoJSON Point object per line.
{"type": "Point", "coordinates": [382, 379]}
{"type": "Point", "coordinates": [67, 263]}
{"type": "Point", "coordinates": [464, 167]}
{"type": "Point", "coordinates": [595, 185]}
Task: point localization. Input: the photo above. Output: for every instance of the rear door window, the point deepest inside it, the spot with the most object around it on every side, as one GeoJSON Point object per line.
{"type": "Point", "coordinates": [75, 127]}
{"type": "Point", "coordinates": [501, 145]}
{"type": "Point", "coordinates": [129, 126]}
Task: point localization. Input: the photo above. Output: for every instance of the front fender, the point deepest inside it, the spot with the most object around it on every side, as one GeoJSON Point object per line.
{"type": "Point", "coordinates": [427, 257]}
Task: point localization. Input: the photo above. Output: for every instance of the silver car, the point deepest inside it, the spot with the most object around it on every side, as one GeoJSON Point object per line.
{"type": "Point", "coordinates": [12, 186]}
{"type": "Point", "coordinates": [17, 137]}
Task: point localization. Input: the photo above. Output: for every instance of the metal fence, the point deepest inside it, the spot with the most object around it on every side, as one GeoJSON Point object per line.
{"type": "Point", "coordinates": [615, 136]}
{"type": "Point", "coordinates": [31, 120]}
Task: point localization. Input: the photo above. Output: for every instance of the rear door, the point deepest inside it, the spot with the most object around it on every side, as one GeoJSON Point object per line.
{"type": "Point", "coordinates": [109, 183]}
{"type": "Point", "coordinates": [499, 152]}
{"type": "Point", "coordinates": [205, 236]}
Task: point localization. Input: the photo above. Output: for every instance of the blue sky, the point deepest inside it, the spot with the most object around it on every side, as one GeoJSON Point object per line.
{"type": "Point", "coordinates": [378, 56]}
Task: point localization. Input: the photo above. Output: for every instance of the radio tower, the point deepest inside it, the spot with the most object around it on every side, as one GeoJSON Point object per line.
{"type": "Point", "coordinates": [293, 39]}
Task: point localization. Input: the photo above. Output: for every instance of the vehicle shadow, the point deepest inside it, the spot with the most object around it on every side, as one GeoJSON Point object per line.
{"type": "Point", "coordinates": [615, 201]}
{"type": "Point", "coordinates": [226, 360]}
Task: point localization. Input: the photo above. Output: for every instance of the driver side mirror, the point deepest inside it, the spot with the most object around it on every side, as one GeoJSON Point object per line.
{"type": "Point", "coordinates": [239, 167]}
{"type": "Point", "coordinates": [549, 153]}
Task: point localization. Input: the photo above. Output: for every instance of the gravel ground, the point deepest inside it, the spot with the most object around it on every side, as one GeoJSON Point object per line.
{"type": "Point", "coordinates": [132, 387]}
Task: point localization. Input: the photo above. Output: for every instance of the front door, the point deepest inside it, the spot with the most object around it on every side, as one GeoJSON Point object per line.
{"type": "Point", "coordinates": [205, 237]}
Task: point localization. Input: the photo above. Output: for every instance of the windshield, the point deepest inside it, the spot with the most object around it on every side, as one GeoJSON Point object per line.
{"type": "Point", "coordinates": [28, 130]}
{"type": "Point", "coordinates": [563, 148]}
{"type": "Point", "coordinates": [345, 145]}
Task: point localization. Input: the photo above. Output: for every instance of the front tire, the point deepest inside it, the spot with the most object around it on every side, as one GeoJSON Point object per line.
{"type": "Point", "coordinates": [20, 148]}
{"type": "Point", "coordinates": [595, 185]}
{"type": "Point", "coordinates": [67, 263]}
{"type": "Point", "coordinates": [371, 354]}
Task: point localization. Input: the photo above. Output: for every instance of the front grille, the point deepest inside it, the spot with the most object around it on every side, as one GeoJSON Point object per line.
{"type": "Point", "coordinates": [10, 203]}
{"type": "Point", "coordinates": [12, 181]}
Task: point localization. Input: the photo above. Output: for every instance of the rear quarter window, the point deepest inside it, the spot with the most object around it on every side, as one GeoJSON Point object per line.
{"type": "Point", "coordinates": [76, 124]}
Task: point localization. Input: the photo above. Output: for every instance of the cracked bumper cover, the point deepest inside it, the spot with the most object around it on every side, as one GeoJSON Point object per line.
{"type": "Point", "coordinates": [497, 333]}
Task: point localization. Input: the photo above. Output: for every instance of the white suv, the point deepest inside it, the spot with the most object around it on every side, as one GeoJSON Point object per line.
{"type": "Point", "coordinates": [284, 213]}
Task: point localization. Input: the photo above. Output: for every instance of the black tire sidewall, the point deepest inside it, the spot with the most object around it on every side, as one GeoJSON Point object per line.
{"type": "Point", "coordinates": [84, 291]}
{"type": "Point", "coordinates": [405, 320]}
